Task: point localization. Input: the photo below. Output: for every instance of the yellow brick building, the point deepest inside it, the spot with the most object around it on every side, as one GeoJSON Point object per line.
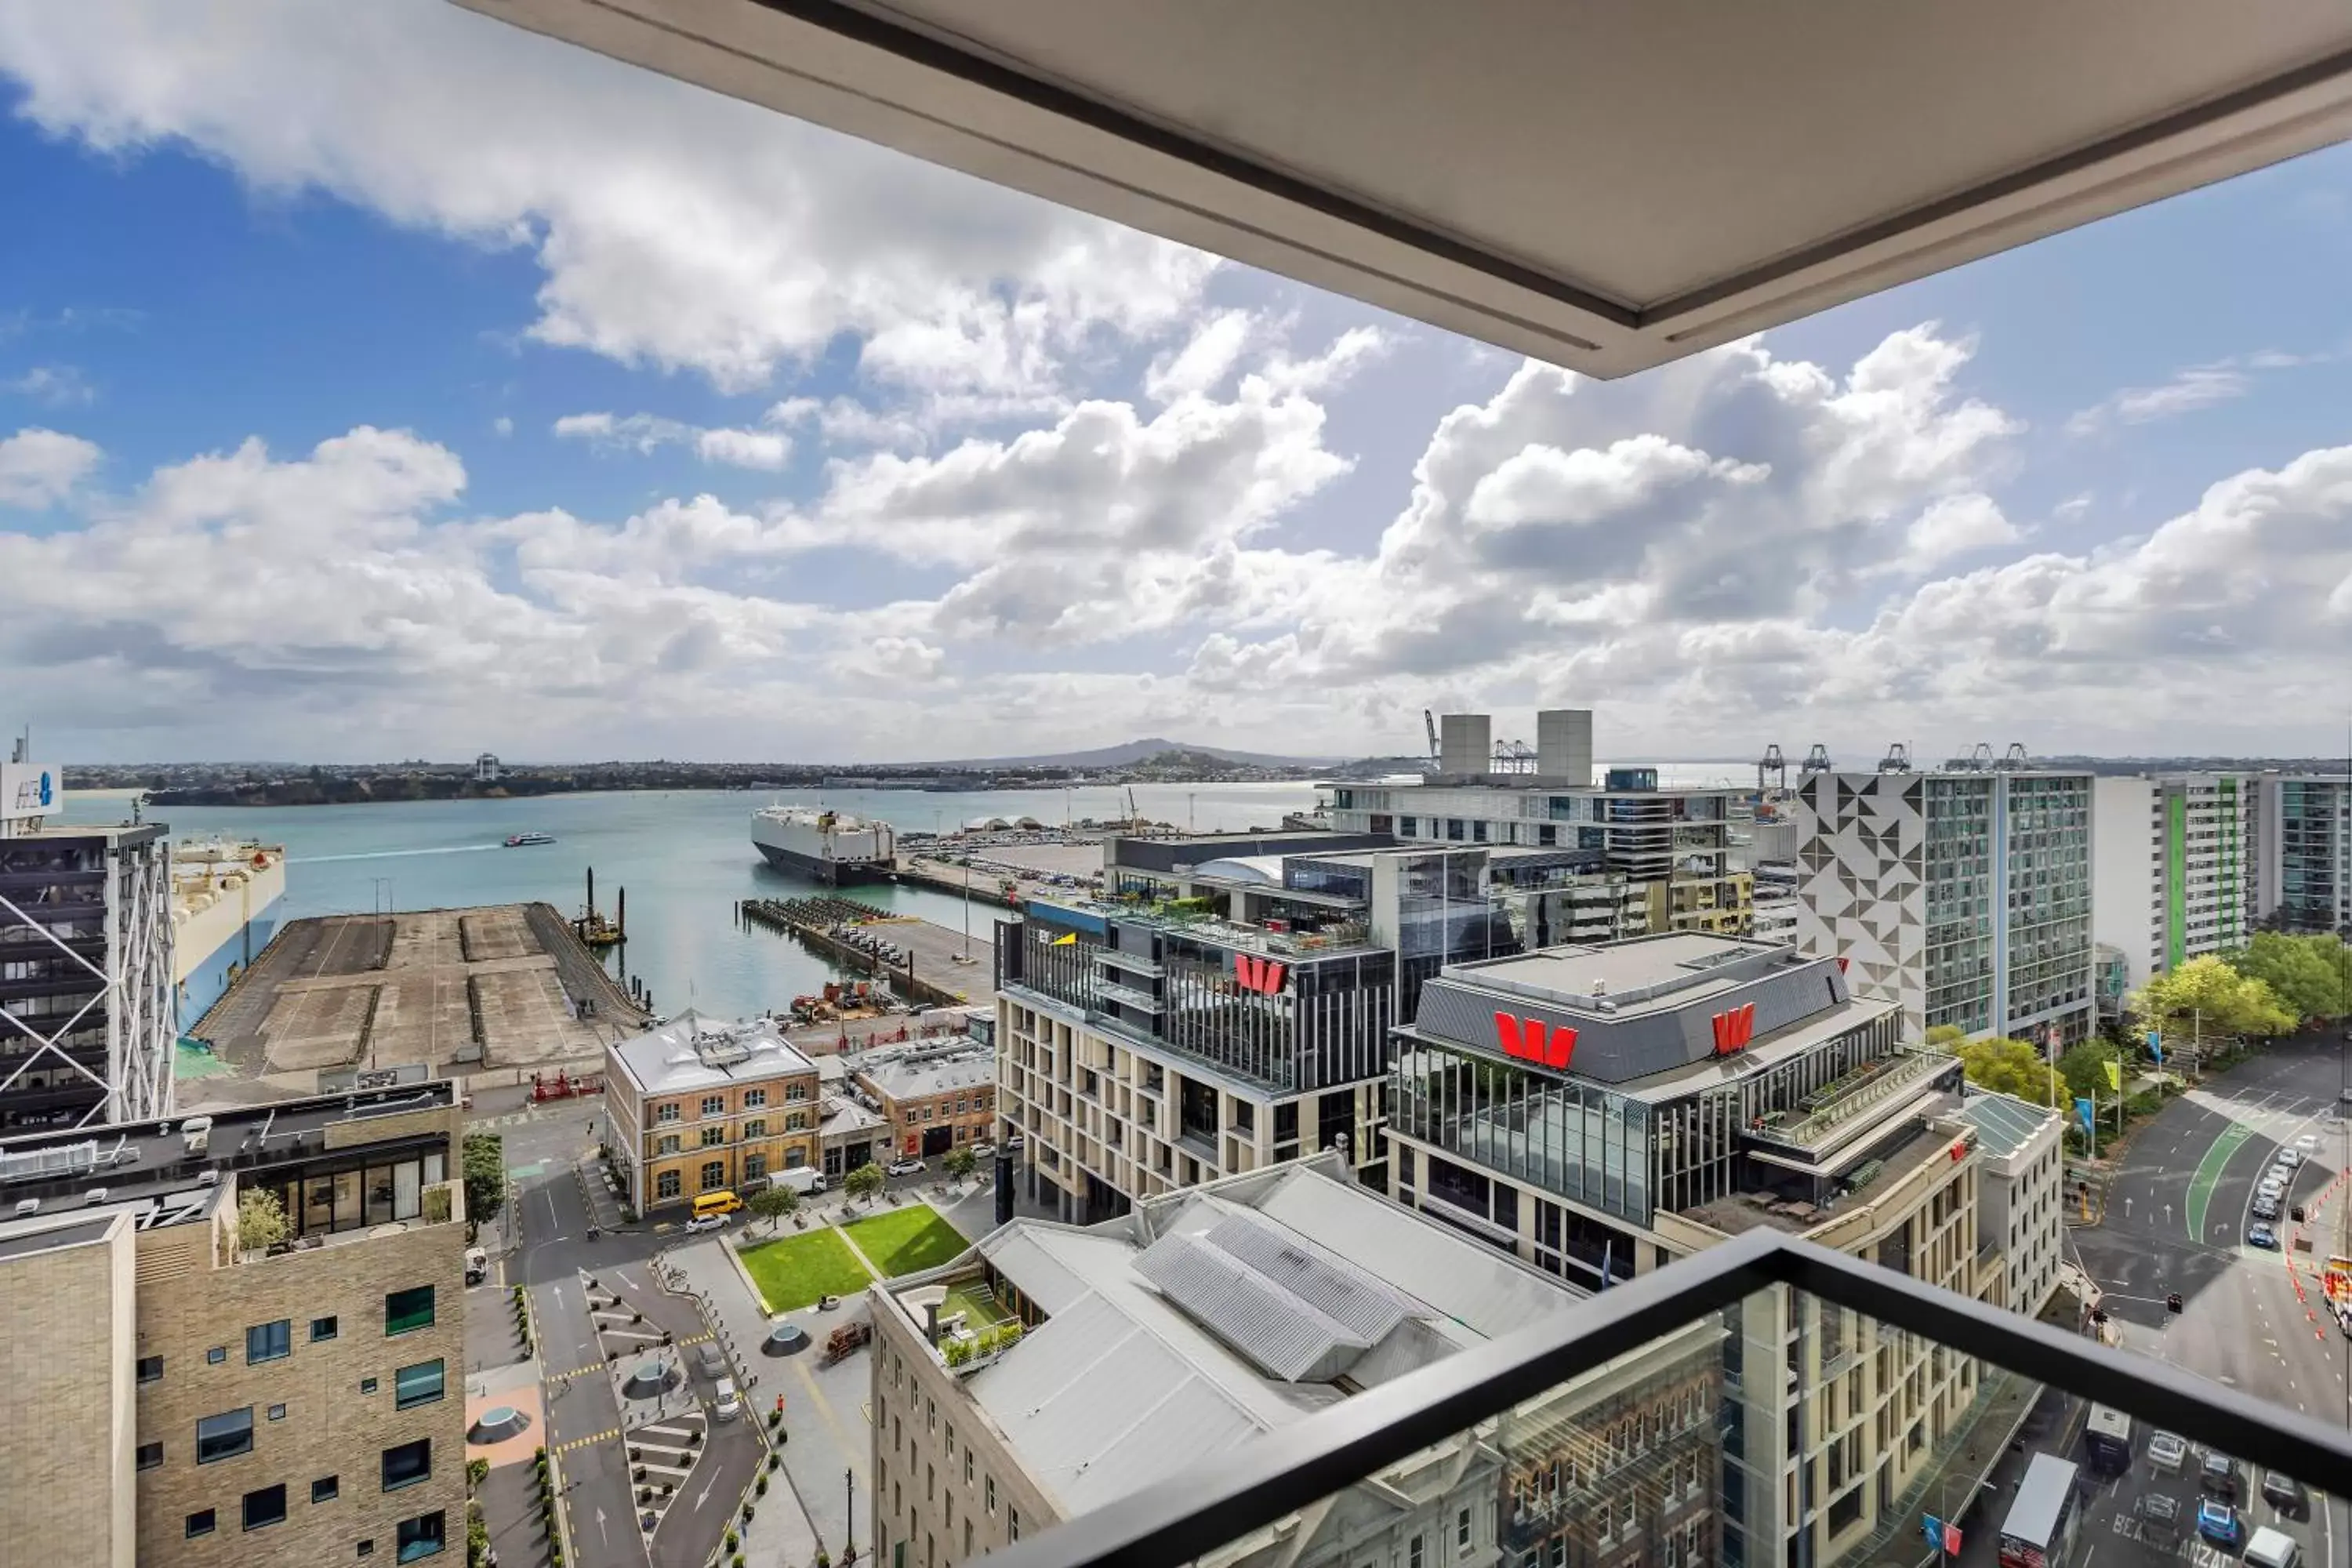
{"type": "Point", "coordinates": [697, 1107]}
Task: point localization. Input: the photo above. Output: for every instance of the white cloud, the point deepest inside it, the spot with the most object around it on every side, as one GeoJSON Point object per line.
{"type": "Point", "coordinates": [1954, 526]}
{"type": "Point", "coordinates": [502, 426]}
{"type": "Point", "coordinates": [1350, 352]}
{"type": "Point", "coordinates": [644, 433]}
{"type": "Point", "coordinates": [39, 468]}
{"type": "Point", "coordinates": [2198, 386]}
{"type": "Point", "coordinates": [674, 227]}
{"type": "Point", "coordinates": [56, 385]}
{"type": "Point", "coordinates": [1203, 361]}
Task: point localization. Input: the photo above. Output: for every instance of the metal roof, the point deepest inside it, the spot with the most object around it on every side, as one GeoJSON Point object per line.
{"type": "Point", "coordinates": [1294, 1314]}
{"type": "Point", "coordinates": [2004, 1123]}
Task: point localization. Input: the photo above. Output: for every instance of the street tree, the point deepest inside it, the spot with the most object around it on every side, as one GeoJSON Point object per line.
{"type": "Point", "coordinates": [2308, 974]}
{"type": "Point", "coordinates": [865, 1181]}
{"type": "Point", "coordinates": [484, 1166]}
{"type": "Point", "coordinates": [961, 1163]}
{"type": "Point", "coordinates": [775, 1203]}
{"type": "Point", "coordinates": [1945, 1036]}
{"type": "Point", "coordinates": [2006, 1067]}
{"type": "Point", "coordinates": [2207, 996]}
{"type": "Point", "coordinates": [2083, 1069]}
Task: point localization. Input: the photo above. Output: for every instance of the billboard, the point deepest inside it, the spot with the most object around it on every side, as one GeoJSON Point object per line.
{"type": "Point", "coordinates": [31, 789]}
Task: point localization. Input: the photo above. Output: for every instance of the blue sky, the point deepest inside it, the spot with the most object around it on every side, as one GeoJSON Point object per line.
{"type": "Point", "coordinates": [395, 383]}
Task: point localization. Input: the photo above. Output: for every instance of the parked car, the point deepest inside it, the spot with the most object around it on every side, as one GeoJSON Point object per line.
{"type": "Point", "coordinates": [2308, 1143]}
{"type": "Point", "coordinates": [2286, 1494]}
{"type": "Point", "coordinates": [707, 1222]}
{"type": "Point", "coordinates": [2264, 1236]}
{"type": "Point", "coordinates": [727, 1405]}
{"type": "Point", "coordinates": [2265, 1208]}
{"type": "Point", "coordinates": [2220, 1476]}
{"type": "Point", "coordinates": [903, 1168]}
{"type": "Point", "coordinates": [2288, 1158]}
{"type": "Point", "coordinates": [2166, 1452]}
{"type": "Point", "coordinates": [2217, 1521]}
{"type": "Point", "coordinates": [2271, 1188]}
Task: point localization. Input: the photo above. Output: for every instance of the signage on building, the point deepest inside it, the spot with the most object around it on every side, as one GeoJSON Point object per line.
{"type": "Point", "coordinates": [1263, 975]}
{"type": "Point", "coordinates": [30, 789]}
{"type": "Point", "coordinates": [1529, 1040]}
{"type": "Point", "coordinates": [1734, 1028]}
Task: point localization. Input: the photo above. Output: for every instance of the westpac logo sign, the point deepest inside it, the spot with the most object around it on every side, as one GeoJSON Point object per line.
{"type": "Point", "coordinates": [1734, 1028]}
{"type": "Point", "coordinates": [1263, 975]}
{"type": "Point", "coordinates": [1529, 1040]}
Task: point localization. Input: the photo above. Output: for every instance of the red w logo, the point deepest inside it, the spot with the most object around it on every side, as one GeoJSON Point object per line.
{"type": "Point", "coordinates": [1733, 1028]}
{"type": "Point", "coordinates": [1524, 1038]}
{"type": "Point", "coordinates": [1263, 975]}
{"type": "Point", "coordinates": [1841, 963]}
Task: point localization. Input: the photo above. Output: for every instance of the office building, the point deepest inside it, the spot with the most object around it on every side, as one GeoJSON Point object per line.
{"type": "Point", "coordinates": [2306, 858]}
{"type": "Point", "coordinates": [1053, 1370]}
{"type": "Point", "coordinates": [2020, 1193]}
{"type": "Point", "coordinates": [1963, 894]}
{"type": "Point", "coordinates": [933, 1097]}
{"type": "Point", "coordinates": [2175, 868]}
{"type": "Point", "coordinates": [697, 1106]}
{"type": "Point", "coordinates": [175, 1395]}
{"type": "Point", "coordinates": [1603, 1112]}
{"type": "Point", "coordinates": [1672, 845]}
{"type": "Point", "coordinates": [86, 1019]}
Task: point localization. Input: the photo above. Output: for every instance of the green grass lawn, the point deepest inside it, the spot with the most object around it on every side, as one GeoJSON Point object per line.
{"type": "Point", "coordinates": [980, 1308]}
{"type": "Point", "coordinates": [907, 1240]}
{"type": "Point", "coordinates": [793, 1272]}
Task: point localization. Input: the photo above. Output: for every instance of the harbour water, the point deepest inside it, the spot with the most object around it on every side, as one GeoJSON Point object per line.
{"type": "Point", "coordinates": [686, 858]}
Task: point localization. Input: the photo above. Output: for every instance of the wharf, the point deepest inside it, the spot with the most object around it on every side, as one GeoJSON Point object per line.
{"type": "Point", "coordinates": [927, 965]}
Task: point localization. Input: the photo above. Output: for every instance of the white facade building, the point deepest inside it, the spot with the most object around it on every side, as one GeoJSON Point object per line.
{"type": "Point", "coordinates": [2175, 860]}
{"type": "Point", "coordinates": [2020, 1193]}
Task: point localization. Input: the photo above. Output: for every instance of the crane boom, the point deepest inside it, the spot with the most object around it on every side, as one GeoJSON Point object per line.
{"type": "Point", "coordinates": [1429, 722]}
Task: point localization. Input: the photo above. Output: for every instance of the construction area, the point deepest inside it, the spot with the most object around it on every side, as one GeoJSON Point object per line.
{"type": "Point", "coordinates": [469, 991]}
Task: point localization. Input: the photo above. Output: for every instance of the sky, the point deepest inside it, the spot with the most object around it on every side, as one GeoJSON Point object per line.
{"type": "Point", "coordinates": [381, 381]}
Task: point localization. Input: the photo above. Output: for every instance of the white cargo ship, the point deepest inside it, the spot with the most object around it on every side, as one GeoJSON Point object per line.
{"type": "Point", "coordinates": [824, 846]}
{"type": "Point", "coordinates": [225, 909]}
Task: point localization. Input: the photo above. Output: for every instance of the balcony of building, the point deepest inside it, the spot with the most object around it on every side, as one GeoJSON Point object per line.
{"type": "Point", "coordinates": [1656, 1423]}
{"type": "Point", "coordinates": [1851, 1106]}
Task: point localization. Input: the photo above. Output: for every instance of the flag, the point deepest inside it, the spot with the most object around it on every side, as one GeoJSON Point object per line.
{"type": "Point", "coordinates": [2156, 1045]}
{"type": "Point", "coordinates": [1067, 939]}
{"type": "Point", "coordinates": [2084, 1111]}
{"type": "Point", "coordinates": [2051, 1040]}
{"type": "Point", "coordinates": [1933, 1529]}
{"type": "Point", "coordinates": [1951, 1538]}
{"type": "Point", "coordinates": [2115, 1076]}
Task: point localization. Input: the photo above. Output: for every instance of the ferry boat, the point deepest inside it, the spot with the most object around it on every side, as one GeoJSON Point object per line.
{"type": "Point", "coordinates": [226, 899]}
{"type": "Point", "coordinates": [517, 841]}
{"type": "Point", "coordinates": [826, 847]}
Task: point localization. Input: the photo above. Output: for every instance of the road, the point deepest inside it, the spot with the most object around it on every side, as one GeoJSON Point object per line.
{"type": "Point", "coordinates": [2176, 1219]}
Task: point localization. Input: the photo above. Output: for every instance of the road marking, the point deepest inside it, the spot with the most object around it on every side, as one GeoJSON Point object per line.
{"type": "Point", "coordinates": [2209, 1174]}
{"type": "Point", "coordinates": [604, 1437]}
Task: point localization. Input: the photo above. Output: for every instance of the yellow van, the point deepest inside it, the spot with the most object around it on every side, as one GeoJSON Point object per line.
{"type": "Point", "coordinates": [720, 1202]}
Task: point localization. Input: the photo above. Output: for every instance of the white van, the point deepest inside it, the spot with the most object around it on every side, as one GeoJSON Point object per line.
{"type": "Point", "coordinates": [805, 1180]}
{"type": "Point", "coordinates": [2271, 1548]}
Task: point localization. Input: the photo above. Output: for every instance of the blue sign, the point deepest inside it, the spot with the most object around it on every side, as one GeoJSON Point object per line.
{"type": "Point", "coordinates": [2086, 1112]}
{"type": "Point", "coordinates": [2156, 1045]}
{"type": "Point", "coordinates": [1933, 1529]}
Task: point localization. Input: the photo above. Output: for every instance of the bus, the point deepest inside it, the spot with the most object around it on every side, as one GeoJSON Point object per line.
{"type": "Point", "coordinates": [2039, 1528]}
{"type": "Point", "coordinates": [2107, 1441]}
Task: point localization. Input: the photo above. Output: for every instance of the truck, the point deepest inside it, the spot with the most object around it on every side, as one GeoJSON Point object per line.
{"type": "Point", "coordinates": [805, 1180]}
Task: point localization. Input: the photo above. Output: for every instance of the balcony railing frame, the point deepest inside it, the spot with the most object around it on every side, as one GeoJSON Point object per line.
{"type": "Point", "coordinates": [1222, 1499]}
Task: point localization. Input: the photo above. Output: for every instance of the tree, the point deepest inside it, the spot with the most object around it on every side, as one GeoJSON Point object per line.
{"type": "Point", "coordinates": [2305, 973]}
{"type": "Point", "coordinates": [2207, 996]}
{"type": "Point", "coordinates": [775, 1203]}
{"type": "Point", "coordinates": [865, 1181]}
{"type": "Point", "coordinates": [483, 1163]}
{"type": "Point", "coordinates": [2006, 1067]}
{"type": "Point", "coordinates": [959, 1163]}
{"type": "Point", "coordinates": [260, 1219]}
{"type": "Point", "coordinates": [2083, 1069]}
{"type": "Point", "coordinates": [1945, 1036]}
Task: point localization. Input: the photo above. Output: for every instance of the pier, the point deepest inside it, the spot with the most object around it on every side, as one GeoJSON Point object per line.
{"type": "Point", "coordinates": [923, 962]}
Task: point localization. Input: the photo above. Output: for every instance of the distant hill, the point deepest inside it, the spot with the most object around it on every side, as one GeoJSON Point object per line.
{"type": "Point", "coordinates": [1134, 752]}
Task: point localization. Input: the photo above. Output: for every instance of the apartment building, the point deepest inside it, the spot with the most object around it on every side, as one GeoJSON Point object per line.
{"type": "Point", "coordinates": [2305, 858]}
{"type": "Point", "coordinates": [698, 1106]}
{"type": "Point", "coordinates": [931, 1097]}
{"type": "Point", "coordinates": [2175, 867]}
{"type": "Point", "coordinates": [85, 963]}
{"type": "Point", "coordinates": [1673, 845]}
{"type": "Point", "coordinates": [1964, 894]}
{"type": "Point", "coordinates": [2022, 1193]}
{"type": "Point", "coordinates": [1601, 1112]}
{"type": "Point", "coordinates": [1006, 1383]}
{"type": "Point", "coordinates": [175, 1396]}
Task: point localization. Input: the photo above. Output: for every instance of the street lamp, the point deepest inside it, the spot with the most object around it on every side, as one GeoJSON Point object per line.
{"type": "Point", "coordinates": [849, 1528]}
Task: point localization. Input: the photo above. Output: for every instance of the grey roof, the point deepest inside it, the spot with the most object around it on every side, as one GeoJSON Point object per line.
{"type": "Point", "coordinates": [1296, 1315]}
{"type": "Point", "coordinates": [2004, 1123]}
{"type": "Point", "coordinates": [910, 1072]}
{"type": "Point", "coordinates": [692, 1052]}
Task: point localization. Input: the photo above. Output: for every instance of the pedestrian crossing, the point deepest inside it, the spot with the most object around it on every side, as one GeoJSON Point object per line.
{"type": "Point", "coordinates": [604, 1437]}
{"type": "Point", "coordinates": [602, 1366]}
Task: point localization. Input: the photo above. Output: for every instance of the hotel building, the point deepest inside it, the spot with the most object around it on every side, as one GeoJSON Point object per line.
{"type": "Point", "coordinates": [697, 1107]}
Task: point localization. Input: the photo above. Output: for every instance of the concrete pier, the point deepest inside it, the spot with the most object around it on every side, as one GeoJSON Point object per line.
{"type": "Point", "coordinates": [935, 966]}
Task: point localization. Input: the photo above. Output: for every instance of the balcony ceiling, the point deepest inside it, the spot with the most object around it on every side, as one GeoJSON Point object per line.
{"type": "Point", "coordinates": [1605, 186]}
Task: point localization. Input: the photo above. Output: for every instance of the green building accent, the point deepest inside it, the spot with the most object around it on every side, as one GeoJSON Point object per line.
{"type": "Point", "coordinates": [2176, 880]}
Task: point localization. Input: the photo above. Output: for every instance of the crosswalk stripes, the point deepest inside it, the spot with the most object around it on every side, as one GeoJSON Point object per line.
{"type": "Point", "coordinates": [604, 1437]}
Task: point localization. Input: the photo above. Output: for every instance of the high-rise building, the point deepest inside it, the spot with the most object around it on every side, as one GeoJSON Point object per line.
{"type": "Point", "coordinates": [86, 1019]}
{"type": "Point", "coordinates": [2306, 859]}
{"type": "Point", "coordinates": [1963, 894]}
{"type": "Point", "coordinates": [2176, 862]}
{"type": "Point", "coordinates": [182, 1389]}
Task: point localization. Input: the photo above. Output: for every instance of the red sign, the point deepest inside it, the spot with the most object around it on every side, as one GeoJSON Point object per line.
{"type": "Point", "coordinates": [1263, 975]}
{"type": "Point", "coordinates": [1841, 963]}
{"type": "Point", "coordinates": [1734, 1028]}
{"type": "Point", "coordinates": [1525, 1039]}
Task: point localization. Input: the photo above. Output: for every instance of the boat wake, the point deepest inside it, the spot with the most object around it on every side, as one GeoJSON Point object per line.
{"type": "Point", "coordinates": [391, 854]}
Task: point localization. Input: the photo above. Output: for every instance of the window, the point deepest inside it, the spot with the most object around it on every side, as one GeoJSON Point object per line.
{"type": "Point", "coordinates": [224, 1435]}
{"type": "Point", "coordinates": [911, 1117]}
{"type": "Point", "coordinates": [666, 1112]}
{"type": "Point", "coordinates": [367, 1386]}
{"type": "Point", "coordinates": [667, 1184]}
{"type": "Point", "coordinates": [756, 1128]}
{"type": "Point", "coordinates": [419, 1537]}
{"type": "Point", "coordinates": [989, 1491]}
{"type": "Point", "coordinates": [405, 1311]}
{"type": "Point", "coordinates": [755, 1098]}
{"type": "Point", "coordinates": [264, 1508]}
{"type": "Point", "coordinates": [1413, 1553]}
{"type": "Point", "coordinates": [667, 1144]}
{"type": "Point", "coordinates": [326, 1489]}
{"type": "Point", "coordinates": [714, 1175]}
{"type": "Point", "coordinates": [1011, 1524]}
{"type": "Point", "coordinates": [269, 1341]}
{"type": "Point", "coordinates": [149, 1455]}
{"type": "Point", "coordinates": [714, 1105]}
{"type": "Point", "coordinates": [407, 1463]}
{"type": "Point", "coordinates": [754, 1165]}
{"type": "Point", "coordinates": [150, 1369]}
{"type": "Point", "coordinates": [712, 1137]}
{"type": "Point", "coordinates": [1461, 1532]}
{"type": "Point", "coordinates": [277, 1412]}
{"type": "Point", "coordinates": [367, 1549]}
{"type": "Point", "coordinates": [216, 1355]}
{"type": "Point", "coordinates": [322, 1329]}
{"type": "Point", "coordinates": [967, 1467]}
{"type": "Point", "coordinates": [418, 1385]}
{"type": "Point", "coordinates": [200, 1523]}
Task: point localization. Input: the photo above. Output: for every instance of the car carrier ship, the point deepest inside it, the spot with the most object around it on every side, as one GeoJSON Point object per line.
{"type": "Point", "coordinates": [824, 847]}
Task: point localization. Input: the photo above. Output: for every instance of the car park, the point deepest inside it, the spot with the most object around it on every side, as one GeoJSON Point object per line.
{"type": "Point", "coordinates": [2217, 1521]}
{"type": "Point", "coordinates": [2166, 1452]}
{"type": "Point", "coordinates": [2264, 1236]}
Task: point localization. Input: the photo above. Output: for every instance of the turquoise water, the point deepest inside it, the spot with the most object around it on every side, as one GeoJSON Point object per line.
{"type": "Point", "coordinates": [685, 858]}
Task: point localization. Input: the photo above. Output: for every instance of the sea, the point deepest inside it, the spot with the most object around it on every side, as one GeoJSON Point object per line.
{"type": "Point", "coordinates": [684, 856]}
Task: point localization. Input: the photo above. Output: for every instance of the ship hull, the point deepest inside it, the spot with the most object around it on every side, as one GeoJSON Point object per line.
{"type": "Point", "coordinates": [817, 868]}
{"type": "Point", "coordinates": [212, 945]}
